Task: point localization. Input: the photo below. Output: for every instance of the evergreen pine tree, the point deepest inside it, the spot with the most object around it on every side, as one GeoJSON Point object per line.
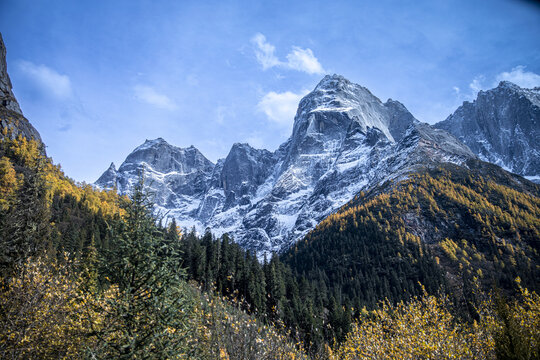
{"type": "Point", "coordinates": [148, 318]}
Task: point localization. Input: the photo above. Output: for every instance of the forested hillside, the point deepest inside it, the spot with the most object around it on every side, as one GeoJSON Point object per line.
{"type": "Point", "coordinates": [43, 210]}
{"type": "Point", "coordinates": [446, 227]}
{"type": "Point", "coordinates": [87, 273]}
{"type": "Point", "coordinates": [443, 230]}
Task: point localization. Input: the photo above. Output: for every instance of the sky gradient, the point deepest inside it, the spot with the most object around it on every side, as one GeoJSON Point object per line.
{"type": "Point", "coordinates": [97, 78]}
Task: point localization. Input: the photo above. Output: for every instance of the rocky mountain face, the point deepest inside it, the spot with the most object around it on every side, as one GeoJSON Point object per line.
{"type": "Point", "coordinates": [11, 116]}
{"type": "Point", "coordinates": [344, 140]}
{"type": "Point", "coordinates": [501, 126]}
{"type": "Point", "coordinates": [176, 178]}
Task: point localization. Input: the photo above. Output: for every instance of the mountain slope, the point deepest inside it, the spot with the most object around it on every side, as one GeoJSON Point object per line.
{"type": "Point", "coordinates": [460, 222]}
{"type": "Point", "coordinates": [344, 140]}
{"type": "Point", "coordinates": [501, 126]}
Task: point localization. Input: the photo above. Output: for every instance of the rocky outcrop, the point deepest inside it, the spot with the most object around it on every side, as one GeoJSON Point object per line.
{"type": "Point", "coordinates": [7, 99]}
{"type": "Point", "coordinates": [501, 126]}
{"type": "Point", "coordinates": [108, 178]}
{"type": "Point", "coordinates": [245, 169]}
{"type": "Point", "coordinates": [12, 120]}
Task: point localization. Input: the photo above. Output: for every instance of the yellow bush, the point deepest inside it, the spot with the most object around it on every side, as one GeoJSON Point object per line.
{"type": "Point", "coordinates": [425, 328]}
{"type": "Point", "coordinates": [420, 329]}
{"type": "Point", "coordinates": [43, 315]}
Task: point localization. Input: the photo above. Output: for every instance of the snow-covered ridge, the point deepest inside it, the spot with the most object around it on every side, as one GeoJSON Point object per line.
{"type": "Point", "coordinates": [501, 126]}
{"type": "Point", "coordinates": [344, 140]}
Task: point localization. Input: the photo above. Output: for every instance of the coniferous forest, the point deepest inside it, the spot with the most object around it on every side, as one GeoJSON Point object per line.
{"type": "Point", "coordinates": [90, 274]}
{"type": "Point", "coordinates": [268, 180]}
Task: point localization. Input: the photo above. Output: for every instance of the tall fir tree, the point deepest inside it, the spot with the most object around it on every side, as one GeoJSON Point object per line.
{"type": "Point", "coordinates": [148, 318]}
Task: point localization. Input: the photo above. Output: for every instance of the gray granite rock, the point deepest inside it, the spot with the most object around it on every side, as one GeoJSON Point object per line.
{"type": "Point", "coordinates": [7, 99]}
{"type": "Point", "coordinates": [501, 126]}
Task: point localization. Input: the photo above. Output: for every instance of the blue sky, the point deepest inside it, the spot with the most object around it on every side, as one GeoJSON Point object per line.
{"type": "Point", "coordinates": [97, 78]}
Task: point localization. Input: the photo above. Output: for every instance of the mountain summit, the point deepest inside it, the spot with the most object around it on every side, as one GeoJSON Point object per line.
{"type": "Point", "coordinates": [344, 140]}
{"type": "Point", "coordinates": [337, 95]}
{"type": "Point", "coordinates": [501, 126]}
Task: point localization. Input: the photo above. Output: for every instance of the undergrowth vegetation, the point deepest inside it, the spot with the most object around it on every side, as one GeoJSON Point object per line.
{"type": "Point", "coordinates": [427, 327]}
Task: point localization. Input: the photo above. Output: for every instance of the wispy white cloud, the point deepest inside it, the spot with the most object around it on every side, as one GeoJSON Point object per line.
{"type": "Point", "coordinates": [150, 96]}
{"type": "Point", "coordinates": [264, 52]}
{"type": "Point", "coordinates": [280, 108]}
{"type": "Point", "coordinates": [518, 75]}
{"type": "Point", "coordinates": [304, 60]}
{"type": "Point", "coordinates": [47, 80]}
{"type": "Point", "coordinates": [298, 59]}
{"type": "Point", "coordinates": [477, 84]}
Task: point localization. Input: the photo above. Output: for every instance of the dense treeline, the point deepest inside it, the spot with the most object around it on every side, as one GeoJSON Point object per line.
{"type": "Point", "coordinates": [269, 289]}
{"type": "Point", "coordinates": [318, 309]}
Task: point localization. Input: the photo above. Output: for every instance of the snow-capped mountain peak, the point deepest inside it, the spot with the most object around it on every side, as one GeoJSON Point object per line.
{"type": "Point", "coordinates": [161, 156]}
{"type": "Point", "coordinates": [334, 104]}
{"type": "Point", "coordinates": [344, 140]}
{"type": "Point", "coordinates": [501, 126]}
{"type": "Point", "coordinates": [505, 84]}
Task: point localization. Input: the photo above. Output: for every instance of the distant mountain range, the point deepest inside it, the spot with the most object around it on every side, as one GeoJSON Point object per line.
{"type": "Point", "coordinates": [344, 140]}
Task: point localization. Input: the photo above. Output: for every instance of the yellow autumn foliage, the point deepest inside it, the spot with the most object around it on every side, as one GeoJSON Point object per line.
{"type": "Point", "coordinates": [43, 313]}
{"type": "Point", "coordinates": [27, 154]}
{"type": "Point", "coordinates": [225, 332]}
{"type": "Point", "coordinates": [426, 328]}
{"type": "Point", "coordinates": [9, 183]}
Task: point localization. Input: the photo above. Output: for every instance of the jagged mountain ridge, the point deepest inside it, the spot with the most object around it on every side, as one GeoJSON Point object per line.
{"type": "Point", "coordinates": [176, 177]}
{"type": "Point", "coordinates": [344, 140]}
{"type": "Point", "coordinates": [501, 126]}
{"type": "Point", "coordinates": [300, 163]}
